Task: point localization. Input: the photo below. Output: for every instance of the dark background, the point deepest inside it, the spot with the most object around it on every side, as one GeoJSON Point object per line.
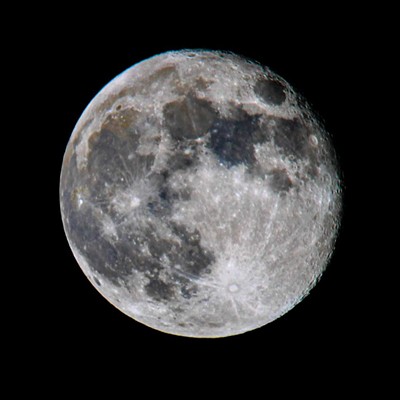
{"type": "Point", "coordinates": [328, 60]}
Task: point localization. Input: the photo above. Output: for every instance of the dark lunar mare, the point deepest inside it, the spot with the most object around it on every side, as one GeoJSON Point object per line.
{"type": "Point", "coordinates": [117, 258]}
{"type": "Point", "coordinates": [188, 118]}
{"type": "Point", "coordinates": [233, 140]}
{"type": "Point", "coordinates": [292, 137]}
{"type": "Point", "coordinates": [270, 91]}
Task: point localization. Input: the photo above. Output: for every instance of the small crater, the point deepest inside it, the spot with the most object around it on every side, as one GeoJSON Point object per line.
{"type": "Point", "coordinates": [233, 288]}
{"type": "Point", "coordinates": [313, 140]}
{"type": "Point", "coordinates": [96, 281]}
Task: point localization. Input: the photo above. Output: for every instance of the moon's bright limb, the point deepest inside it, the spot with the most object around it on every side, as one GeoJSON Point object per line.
{"type": "Point", "coordinates": [199, 194]}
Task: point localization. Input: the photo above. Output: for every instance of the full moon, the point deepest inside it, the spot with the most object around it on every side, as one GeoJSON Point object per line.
{"type": "Point", "coordinates": [200, 195]}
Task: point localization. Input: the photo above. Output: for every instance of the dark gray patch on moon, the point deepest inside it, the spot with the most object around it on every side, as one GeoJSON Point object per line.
{"type": "Point", "coordinates": [188, 118]}
{"type": "Point", "coordinates": [161, 205]}
{"type": "Point", "coordinates": [105, 258]}
{"type": "Point", "coordinates": [164, 199]}
{"type": "Point", "coordinates": [291, 136]}
{"type": "Point", "coordinates": [82, 225]}
{"type": "Point", "coordinates": [192, 257]}
{"type": "Point", "coordinates": [116, 261]}
{"type": "Point", "coordinates": [270, 91]}
{"type": "Point", "coordinates": [185, 155]}
{"type": "Point", "coordinates": [185, 252]}
{"type": "Point", "coordinates": [111, 260]}
{"type": "Point", "coordinates": [233, 140]}
{"type": "Point", "coordinates": [187, 258]}
{"type": "Point", "coordinates": [120, 136]}
{"type": "Point", "coordinates": [159, 290]}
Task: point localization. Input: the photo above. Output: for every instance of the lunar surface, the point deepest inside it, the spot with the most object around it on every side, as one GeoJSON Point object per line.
{"type": "Point", "coordinates": [200, 195]}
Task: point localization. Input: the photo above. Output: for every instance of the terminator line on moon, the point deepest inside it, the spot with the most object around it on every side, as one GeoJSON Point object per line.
{"type": "Point", "coordinates": [200, 195]}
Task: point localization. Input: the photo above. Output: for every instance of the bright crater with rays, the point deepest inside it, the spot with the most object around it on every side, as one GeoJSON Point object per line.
{"type": "Point", "coordinates": [200, 195]}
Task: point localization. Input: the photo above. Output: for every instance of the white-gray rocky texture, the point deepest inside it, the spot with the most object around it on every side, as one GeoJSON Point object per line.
{"type": "Point", "coordinates": [200, 195]}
